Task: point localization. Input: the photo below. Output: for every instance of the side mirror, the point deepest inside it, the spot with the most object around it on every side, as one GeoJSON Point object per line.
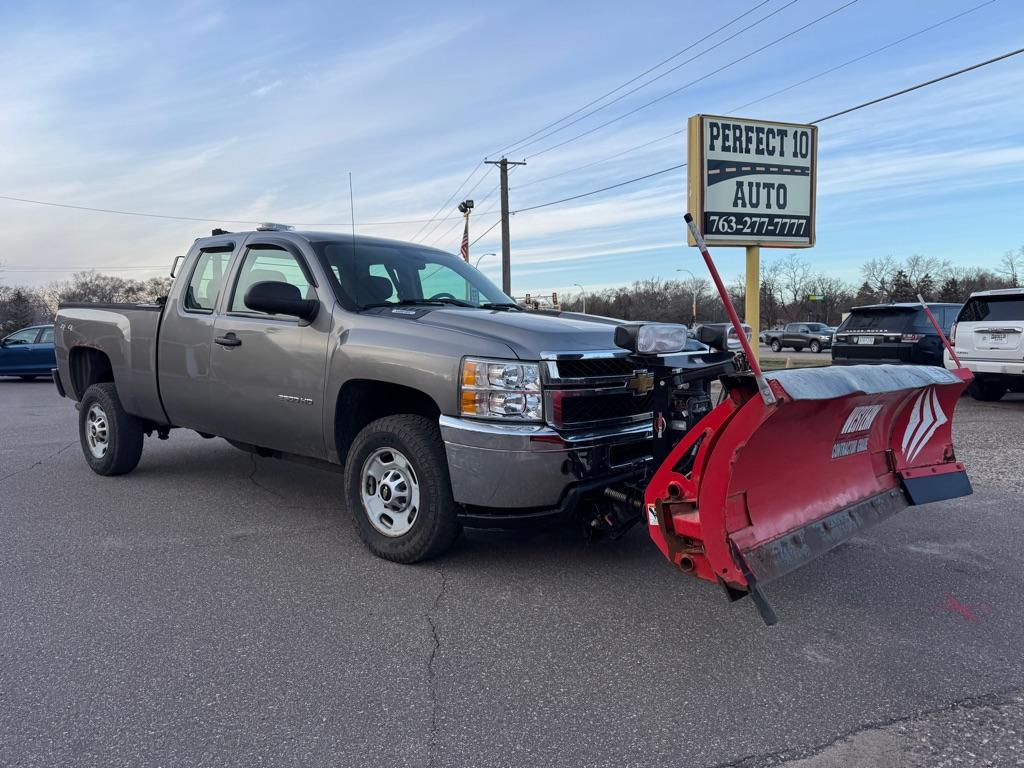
{"type": "Point", "coordinates": [278, 298]}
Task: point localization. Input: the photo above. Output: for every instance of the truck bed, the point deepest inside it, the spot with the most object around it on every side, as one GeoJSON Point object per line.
{"type": "Point", "coordinates": [126, 334]}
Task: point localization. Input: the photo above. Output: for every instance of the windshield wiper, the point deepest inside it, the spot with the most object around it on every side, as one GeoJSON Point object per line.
{"type": "Point", "coordinates": [419, 302]}
{"type": "Point", "coordinates": [500, 305]}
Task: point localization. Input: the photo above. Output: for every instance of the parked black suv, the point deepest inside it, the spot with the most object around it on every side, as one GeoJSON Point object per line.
{"type": "Point", "coordinates": [892, 333]}
{"type": "Point", "coordinates": [812, 336]}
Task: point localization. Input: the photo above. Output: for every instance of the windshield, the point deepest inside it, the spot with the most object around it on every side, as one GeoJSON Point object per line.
{"type": "Point", "coordinates": [381, 274]}
{"type": "Point", "coordinates": [884, 319]}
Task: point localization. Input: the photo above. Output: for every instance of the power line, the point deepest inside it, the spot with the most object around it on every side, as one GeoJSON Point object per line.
{"type": "Point", "coordinates": [790, 87]}
{"type": "Point", "coordinates": [418, 233]}
{"type": "Point", "coordinates": [667, 72]}
{"type": "Point", "coordinates": [863, 56]}
{"type": "Point", "coordinates": [681, 88]}
{"type": "Point", "coordinates": [482, 234]}
{"type": "Point", "coordinates": [939, 79]}
{"type": "Point", "coordinates": [677, 54]}
{"type": "Point", "coordinates": [211, 219]}
{"type": "Point", "coordinates": [603, 189]}
{"type": "Point", "coordinates": [450, 198]}
{"type": "Point", "coordinates": [469, 192]}
{"type": "Point", "coordinates": [872, 102]}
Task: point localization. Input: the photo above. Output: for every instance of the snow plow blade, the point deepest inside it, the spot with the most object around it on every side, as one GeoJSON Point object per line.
{"type": "Point", "coordinates": [754, 491]}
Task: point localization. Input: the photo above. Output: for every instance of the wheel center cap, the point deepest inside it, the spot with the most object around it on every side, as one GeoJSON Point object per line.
{"type": "Point", "coordinates": [385, 492]}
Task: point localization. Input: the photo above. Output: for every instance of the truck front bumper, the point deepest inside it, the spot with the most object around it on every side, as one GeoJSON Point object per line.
{"type": "Point", "coordinates": [502, 472]}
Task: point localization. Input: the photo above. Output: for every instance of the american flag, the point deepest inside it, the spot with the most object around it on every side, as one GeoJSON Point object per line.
{"type": "Point", "coordinates": [464, 251]}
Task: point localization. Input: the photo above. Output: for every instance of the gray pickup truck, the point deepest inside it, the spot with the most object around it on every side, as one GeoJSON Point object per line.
{"type": "Point", "coordinates": [442, 401]}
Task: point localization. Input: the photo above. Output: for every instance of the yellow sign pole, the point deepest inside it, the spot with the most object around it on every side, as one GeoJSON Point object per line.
{"type": "Point", "coordinates": [752, 310]}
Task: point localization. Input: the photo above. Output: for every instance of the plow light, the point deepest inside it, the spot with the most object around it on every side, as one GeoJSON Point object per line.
{"type": "Point", "coordinates": [651, 338]}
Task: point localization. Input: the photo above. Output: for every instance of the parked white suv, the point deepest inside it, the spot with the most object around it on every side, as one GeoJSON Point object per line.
{"type": "Point", "coordinates": [988, 336]}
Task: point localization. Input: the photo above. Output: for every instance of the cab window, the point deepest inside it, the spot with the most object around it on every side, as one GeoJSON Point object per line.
{"type": "Point", "coordinates": [268, 264]}
{"type": "Point", "coordinates": [207, 279]}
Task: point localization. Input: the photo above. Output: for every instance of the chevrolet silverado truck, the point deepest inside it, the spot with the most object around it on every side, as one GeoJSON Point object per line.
{"type": "Point", "coordinates": [441, 400]}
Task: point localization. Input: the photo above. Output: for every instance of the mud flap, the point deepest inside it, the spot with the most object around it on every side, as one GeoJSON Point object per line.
{"type": "Point", "coordinates": [757, 491]}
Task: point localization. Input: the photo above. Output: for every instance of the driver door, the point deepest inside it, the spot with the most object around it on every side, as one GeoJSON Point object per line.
{"type": "Point", "coordinates": [267, 372]}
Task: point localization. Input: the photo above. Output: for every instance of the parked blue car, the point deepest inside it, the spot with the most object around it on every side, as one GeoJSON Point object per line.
{"type": "Point", "coordinates": [28, 353]}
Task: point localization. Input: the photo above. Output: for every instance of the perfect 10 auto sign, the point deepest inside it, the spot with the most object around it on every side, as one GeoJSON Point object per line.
{"type": "Point", "coordinates": [752, 182]}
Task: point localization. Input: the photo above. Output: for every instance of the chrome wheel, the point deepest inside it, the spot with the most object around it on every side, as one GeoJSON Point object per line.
{"type": "Point", "coordinates": [390, 492]}
{"type": "Point", "coordinates": [97, 433]}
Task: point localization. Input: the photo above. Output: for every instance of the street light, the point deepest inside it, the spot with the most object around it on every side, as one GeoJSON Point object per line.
{"type": "Point", "coordinates": [693, 306]}
{"type": "Point", "coordinates": [583, 296]}
{"type": "Point", "coordinates": [478, 258]}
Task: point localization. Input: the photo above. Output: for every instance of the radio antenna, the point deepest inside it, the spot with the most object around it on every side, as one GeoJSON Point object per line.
{"type": "Point", "coordinates": [352, 212]}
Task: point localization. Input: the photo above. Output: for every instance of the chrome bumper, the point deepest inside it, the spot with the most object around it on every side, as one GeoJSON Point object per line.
{"type": "Point", "coordinates": [532, 466]}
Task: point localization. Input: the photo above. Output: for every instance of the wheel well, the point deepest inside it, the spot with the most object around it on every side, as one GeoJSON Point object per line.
{"type": "Point", "coordinates": [361, 401]}
{"type": "Point", "coordinates": [88, 366]}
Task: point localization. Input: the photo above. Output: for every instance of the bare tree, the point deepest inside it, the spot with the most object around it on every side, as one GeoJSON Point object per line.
{"type": "Point", "coordinates": [1011, 266]}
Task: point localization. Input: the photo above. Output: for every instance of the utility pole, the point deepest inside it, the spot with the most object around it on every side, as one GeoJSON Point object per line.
{"type": "Point", "coordinates": [506, 249]}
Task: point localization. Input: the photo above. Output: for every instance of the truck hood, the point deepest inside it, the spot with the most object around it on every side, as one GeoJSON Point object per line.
{"type": "Point", "coordinates": [529, 334]}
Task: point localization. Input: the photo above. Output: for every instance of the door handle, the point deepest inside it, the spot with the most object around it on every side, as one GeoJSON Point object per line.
{"type": "Point", "coordinates": [230, 340]}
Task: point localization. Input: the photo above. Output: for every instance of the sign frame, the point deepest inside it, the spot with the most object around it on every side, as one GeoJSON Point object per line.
{"type": "Point", "coordinates": [697, 173]}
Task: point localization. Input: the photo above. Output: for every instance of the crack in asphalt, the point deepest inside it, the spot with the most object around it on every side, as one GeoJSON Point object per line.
{"type": "Point", "coordinates": [431, 672]}
{"type": "Point", "coordinates": [257, 483]}
{"type": "Point", "coordinates": [251, 477]}
{"type": "Point", "coordinates": [53, 455]}
{"type": "Point", "coordinates": [785, 757]}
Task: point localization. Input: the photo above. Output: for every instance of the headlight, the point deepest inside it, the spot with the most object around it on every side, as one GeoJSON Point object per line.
{"type": "Point", "coordinates": [497, 389]}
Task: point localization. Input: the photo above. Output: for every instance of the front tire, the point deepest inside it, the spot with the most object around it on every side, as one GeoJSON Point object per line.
{"type": "Point", "coordinates": [815, 347]}
{"type": "Point", "coordinates": [986, 391]}
{"type": "Point", "coordinates": [111, 438]}
{"type": "Point", "coordinates": [399, 491]}
{"type": "Point", "coordinates": [776, 346]}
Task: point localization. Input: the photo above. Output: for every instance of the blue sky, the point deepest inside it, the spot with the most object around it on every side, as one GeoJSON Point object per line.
{"type": "Point", "coordinates": [258, 111]}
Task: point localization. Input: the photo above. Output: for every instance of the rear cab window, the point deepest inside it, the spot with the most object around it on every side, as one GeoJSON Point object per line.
{"type": "Point", "coordinates": [207, 279]}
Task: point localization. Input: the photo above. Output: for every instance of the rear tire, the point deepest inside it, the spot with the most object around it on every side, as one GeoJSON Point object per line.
{"type": "Point", "coordinates": [399, 491]}
{"type": "Point", "coordinates": [986, 391]}
{"type": "Point", "coordinates": [111, 438]}
{"type": "Point", "coordinates": [815, 347]}
{"type": "Point", "coordinates": [775, 345]}
{"type": "Point", "coordinates": [27, 378]}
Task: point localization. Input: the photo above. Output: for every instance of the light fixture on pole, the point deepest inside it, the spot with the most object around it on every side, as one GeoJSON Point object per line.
{"type": "Point", "coordinates": [481, 256]}
{"type": "Point", "coordinates": [583, 296]}
{"type": "Point", "coordinates": [693, 305]}
{"type": "Point", "coordinates": [464, 208]}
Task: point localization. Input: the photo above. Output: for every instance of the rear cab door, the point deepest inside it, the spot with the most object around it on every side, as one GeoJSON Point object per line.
{"type": "Point", "coordinates": [991, 327]}
{"type": "Point", "coordinates": [186, 334]}
{"type": "Point", "coordinates": [268, 372]}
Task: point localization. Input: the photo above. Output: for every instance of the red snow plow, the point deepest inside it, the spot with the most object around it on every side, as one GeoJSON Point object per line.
{"type": "Point", "coordinates": [790, 464]}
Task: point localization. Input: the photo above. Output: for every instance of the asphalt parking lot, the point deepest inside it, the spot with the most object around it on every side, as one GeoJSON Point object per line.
{"type": "Point", "coordinates": [216, 609]}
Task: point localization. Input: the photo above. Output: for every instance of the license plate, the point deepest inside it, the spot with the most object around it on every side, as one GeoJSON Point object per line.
{"type": "Point", "coordinates": [865, 339]}
{"type": "Point", "coordinates": [998, 337]}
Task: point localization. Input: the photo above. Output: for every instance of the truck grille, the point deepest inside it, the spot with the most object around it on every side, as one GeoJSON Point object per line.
{"type": "Point", "coordinates": [595, 392]}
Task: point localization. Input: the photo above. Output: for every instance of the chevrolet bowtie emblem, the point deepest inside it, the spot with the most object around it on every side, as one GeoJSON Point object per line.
{"type": "Point", "coordinates": [641, 382]}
